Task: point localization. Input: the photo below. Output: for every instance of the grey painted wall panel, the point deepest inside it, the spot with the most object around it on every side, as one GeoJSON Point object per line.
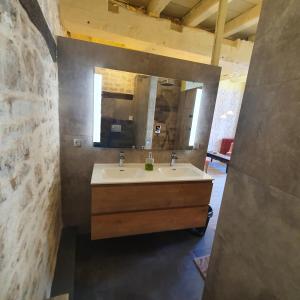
{"type": "Point", "coordinates": [256, 248]}
{"type": "Point", "coordinates": [76, 63]}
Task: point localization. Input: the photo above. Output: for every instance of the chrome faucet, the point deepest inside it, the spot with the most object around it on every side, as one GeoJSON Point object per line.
{"type": "Point", "coordinates": [121, 159]}
{"type": "Point", "coordinates": [173, 159]}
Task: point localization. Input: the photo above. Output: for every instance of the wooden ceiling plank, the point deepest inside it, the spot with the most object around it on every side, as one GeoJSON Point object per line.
{"type": "Point", "coordinates": [243, 21]}
{"type": "Point", "coordinates": [200, 12]}
{"type": "Point", "coordinates": [155, 7]}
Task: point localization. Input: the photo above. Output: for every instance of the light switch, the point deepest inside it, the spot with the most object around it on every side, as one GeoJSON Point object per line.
{"type": "Point", "coordinates": [76, 142]}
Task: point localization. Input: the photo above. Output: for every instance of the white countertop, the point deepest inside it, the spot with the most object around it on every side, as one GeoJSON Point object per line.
{"type": "Point", "coordinates": [136, 173]}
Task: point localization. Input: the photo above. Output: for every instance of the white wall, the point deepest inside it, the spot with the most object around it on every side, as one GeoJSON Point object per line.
{"type": "Point", "coordinates": [229, 98]}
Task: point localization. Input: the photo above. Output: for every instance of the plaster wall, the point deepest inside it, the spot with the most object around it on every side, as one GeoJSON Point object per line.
{"type": "Point", "coordinates": [227, 112]}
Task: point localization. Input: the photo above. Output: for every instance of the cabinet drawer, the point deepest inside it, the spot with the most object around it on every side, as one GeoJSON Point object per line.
{"type": "Point", "coordinates": [135, 197]}
{"type": "Point", "coordinates": [131, 223]}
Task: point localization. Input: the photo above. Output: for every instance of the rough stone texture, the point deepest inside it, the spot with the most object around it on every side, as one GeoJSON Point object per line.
{"type": "Point", "coordinates": [76, 63]}
{"type": "Point", "coordinates": [29, 159]}
{"type": "Point", "coordinates": [256, 250]}
{"type": "Point", "coordinates": [117, 82]}
{"type": "Point", "coordinates": [230, 95]}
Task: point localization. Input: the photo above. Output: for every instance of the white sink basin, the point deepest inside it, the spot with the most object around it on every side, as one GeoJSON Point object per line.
{"type": "Point", "coordinates": [178, 171]}
{"type": "Point", "coordinates": [136, 173]}
{"type": "Point", "coordinates": [122, 172]}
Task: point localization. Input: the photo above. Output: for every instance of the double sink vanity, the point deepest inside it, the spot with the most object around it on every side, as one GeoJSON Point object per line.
{"type": "Point", "coordinates": [136, 102]}
{"type": "Point", "coordinates": [148, 111]}
{"type": "Point", "coordinates": [128, 200]}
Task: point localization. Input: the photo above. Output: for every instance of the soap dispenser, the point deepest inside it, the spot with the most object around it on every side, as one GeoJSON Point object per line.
{"type": "Point", "coordinates": [149, 163]}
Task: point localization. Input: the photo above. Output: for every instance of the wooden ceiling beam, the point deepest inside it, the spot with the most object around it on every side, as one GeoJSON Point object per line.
{"type": "Point", "coordinates": [219, 31]}
{"type": "Point", "coordinates": [155, 7]}
{"type": "Point", "coordinates": [243, 21]}
{"type": "Point", "coordinates": [200, 12]}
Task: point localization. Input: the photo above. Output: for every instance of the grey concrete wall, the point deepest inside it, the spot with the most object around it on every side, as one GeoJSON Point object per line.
{"type": "Point", "coordinates": [76, 62]}
{"type": "Point", "coordinates": [116, 108]}
{"type": "Point", "coordinates": [184, 121]}
{"type": "Point", "coordinates": [256, 249]}
{"type": "Point", "coordinates": [144, 98]}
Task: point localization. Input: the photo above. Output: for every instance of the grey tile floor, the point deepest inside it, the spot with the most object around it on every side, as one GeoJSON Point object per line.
{"type": "Point", "coordinates": [146, 267]}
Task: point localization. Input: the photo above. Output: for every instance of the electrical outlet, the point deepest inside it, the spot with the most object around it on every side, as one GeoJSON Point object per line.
{"type": "Point", "coordinates": [76, 142]}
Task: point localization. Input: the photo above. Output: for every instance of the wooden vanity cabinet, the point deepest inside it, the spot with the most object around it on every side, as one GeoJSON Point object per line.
{"type": "Point", "coordinates": [129, 209]}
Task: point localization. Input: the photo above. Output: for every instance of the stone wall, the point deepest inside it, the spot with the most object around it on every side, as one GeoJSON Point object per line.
{"type": "Point", "coordinates": [256, 249]}
{"type": "Point", "coordinates": [115, 81]}
{"type": "Point", "coordinates": [30, 220]}
{"type": "Point", "coordinates": [227, 111]}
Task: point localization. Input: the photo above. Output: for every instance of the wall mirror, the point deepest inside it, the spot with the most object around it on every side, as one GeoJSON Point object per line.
{"type": "Point", "coordinates": [140, 111]}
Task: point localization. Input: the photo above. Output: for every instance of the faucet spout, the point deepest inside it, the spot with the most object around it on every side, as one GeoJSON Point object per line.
{"type": "Point", "coordinates": [173, 159]}
{"type": "Point", "coordinates": [121, 159]}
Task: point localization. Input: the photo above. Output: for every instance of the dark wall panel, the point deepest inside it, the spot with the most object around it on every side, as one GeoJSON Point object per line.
{"type": "Point", "coordinates": [256, 250]}
{"type": "Point", "coordinates": [76, 63]}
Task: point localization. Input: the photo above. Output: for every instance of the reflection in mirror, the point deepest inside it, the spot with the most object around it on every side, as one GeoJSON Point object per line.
{"type": "Point", "coordinates": [145, 112]}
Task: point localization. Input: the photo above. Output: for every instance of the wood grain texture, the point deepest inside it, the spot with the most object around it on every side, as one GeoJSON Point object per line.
{"type": "Point", "coordinates": [147, 196]}
{"type": "Point", "coordinates": [130, 223]}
